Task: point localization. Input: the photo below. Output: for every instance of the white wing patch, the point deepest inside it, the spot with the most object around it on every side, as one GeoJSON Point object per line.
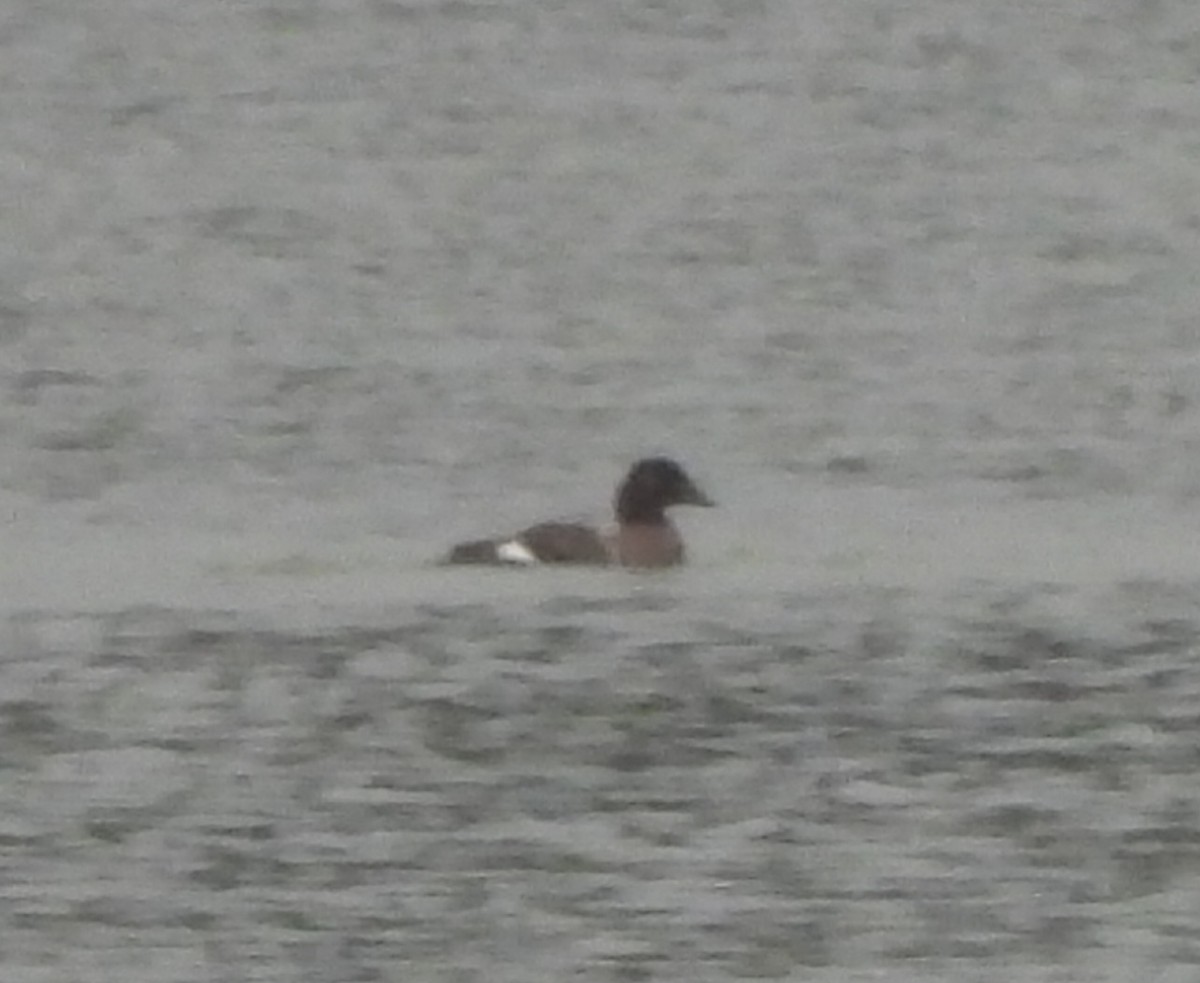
{"type": "Point", "coordinates": [514, 551]}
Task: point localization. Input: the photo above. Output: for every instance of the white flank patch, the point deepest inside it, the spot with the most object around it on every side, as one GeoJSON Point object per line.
{"type": "Point", "coordinates": [514, 551]}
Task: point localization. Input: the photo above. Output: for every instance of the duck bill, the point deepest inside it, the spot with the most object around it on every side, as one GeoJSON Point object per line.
{"type": "Point", "coordinates": [695, 496]}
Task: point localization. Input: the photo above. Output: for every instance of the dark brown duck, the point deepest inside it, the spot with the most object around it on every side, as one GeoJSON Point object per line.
{"type": "Point", "coordinates": [643, 535]}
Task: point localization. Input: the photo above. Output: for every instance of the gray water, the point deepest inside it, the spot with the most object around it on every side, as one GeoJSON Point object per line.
{"type": "Point", "coordinates": [292, 296]}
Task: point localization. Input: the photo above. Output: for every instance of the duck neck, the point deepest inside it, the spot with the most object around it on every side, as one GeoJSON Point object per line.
{"type": "Point", "coordinates": [631, 512]}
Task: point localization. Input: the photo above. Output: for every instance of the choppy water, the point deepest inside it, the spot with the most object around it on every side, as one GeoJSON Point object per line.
{"type": "Point", "coordinates": [619, 783]}
{"type": "Point", "coordinates": [292, 296]}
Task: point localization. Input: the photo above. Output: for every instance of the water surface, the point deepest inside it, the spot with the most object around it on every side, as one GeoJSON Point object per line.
{"type": "Point", "coordinates": [293, 296]}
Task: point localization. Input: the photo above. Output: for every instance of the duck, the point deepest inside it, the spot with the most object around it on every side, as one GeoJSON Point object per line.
{"type": "Point", "coordinates": [642, 536]}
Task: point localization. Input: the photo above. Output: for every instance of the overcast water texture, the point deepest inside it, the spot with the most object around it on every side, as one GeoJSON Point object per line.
{"type": "Point", "coordinates": [295, 294]}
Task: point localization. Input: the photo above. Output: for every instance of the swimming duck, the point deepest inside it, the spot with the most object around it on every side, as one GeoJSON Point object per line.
{"type": "Point", "coordinates": [643, 536]}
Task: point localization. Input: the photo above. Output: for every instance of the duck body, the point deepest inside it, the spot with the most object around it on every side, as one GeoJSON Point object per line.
{"type": "Point", "coordinates": [642, 536]}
